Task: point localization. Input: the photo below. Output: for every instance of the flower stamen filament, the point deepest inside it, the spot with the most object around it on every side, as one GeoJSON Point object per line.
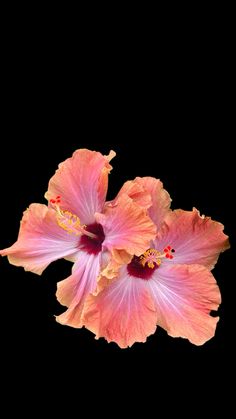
{"type": "Point", "coordinates": [153, 257]}
{"type": "Point", "coordinates": [70, 222]}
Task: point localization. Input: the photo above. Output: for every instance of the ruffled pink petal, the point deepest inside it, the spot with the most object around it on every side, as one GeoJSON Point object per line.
{"type": "Point", "coordinates": [73, 291]}
{"type": "Point", "coordinates": [148, 192]}
{"type": "Point", "coordinates": [184, 295]}
{"type": "Point", "coordinates": [81, 181]}
{"type": "Point", "coordinates": [40, 240]}
{"type": "Point", "coordinates": [123, 312]}
{"type": "Point", "coordinates": [126, 227]}
{"type": "Point", "coordinates": [196, 239]}
{"type": "Point", "coordinates": [160, 199]}
{"type": "Point", "coordinates": [135, 190]}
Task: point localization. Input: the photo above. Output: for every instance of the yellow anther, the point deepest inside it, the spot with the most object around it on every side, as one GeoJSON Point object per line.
{"type": "Point", "coordinates": [151, 257]}
{"type": "Point", "coordinates": [69, 222]}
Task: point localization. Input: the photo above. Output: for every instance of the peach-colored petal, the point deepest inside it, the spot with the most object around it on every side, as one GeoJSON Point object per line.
{"type": "Point", "coordinates": [195, 239]}
{"type": "Point", "coordinates": [148, 192]}
{"type": "Point", "coordinates": [160, 199]}
{"type": "Point", "coordinates": [120, 257]}
{"type": "Point", "coordinates": [73, 291]}
{"type": "Point", "coordinates": [135, 190]}
{"type": "Point", "coordinates": [126, 227]}
{"type": "Point", "coordinates": [110, 269]}
{"type": "Point", "coordinates": [40, 240]}
{"type": "Point", "coordinates": [123, 312]}
{"type": "Point", "coordinates": [184, 295]}
{"type": "Point", "coordinates": [81, 182]}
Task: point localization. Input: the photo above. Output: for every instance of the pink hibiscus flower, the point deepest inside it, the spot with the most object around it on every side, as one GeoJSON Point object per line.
{"type": "Point", "coordinates": [78, 226]}
{"type": "Point", "coordinates": [170, 285]}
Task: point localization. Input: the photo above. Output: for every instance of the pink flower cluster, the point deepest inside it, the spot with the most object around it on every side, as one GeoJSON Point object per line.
{"type": "Point", "coordinates": [137, 264]}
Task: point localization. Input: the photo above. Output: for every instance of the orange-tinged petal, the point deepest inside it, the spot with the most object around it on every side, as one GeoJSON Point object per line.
{"type": "Point", "coordinates": [81, 182]}
{"type": "Point", "coordinates": [149, 193]}
{"type": "Point", "coordinates": [195, 239]}
{"type": "Point", "coordinates": [123, 312]}
{"type": "Point", "coordinates": [126, 226]}
{"type": "Point", "coordinates": [73, 291]}
{"type": "Point", "coordinates": [184, 295]}
{"type": "Point", "coordinates": [160, 199]}
{"type": "Point", "coordinates": [40, 240]}
{"type": "Point", "coordinates": [135, 190]}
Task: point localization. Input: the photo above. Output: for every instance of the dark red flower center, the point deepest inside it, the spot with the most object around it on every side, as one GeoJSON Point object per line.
{"type": "Point", "coordinates": [137, 269]}
{"type": "Point", "coordinates": [93, 245]}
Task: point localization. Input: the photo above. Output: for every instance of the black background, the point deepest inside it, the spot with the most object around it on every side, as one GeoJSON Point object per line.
{"type": "Point", "coordinates": [171, 120]}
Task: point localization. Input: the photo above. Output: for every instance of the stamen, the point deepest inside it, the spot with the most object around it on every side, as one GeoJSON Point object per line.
{"type": "Point", "coordinates": [68, 221]}
{"type": "Point", "coordinates": [153, 256]}
{"type": "Point", "coordinates": [168, 252]}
